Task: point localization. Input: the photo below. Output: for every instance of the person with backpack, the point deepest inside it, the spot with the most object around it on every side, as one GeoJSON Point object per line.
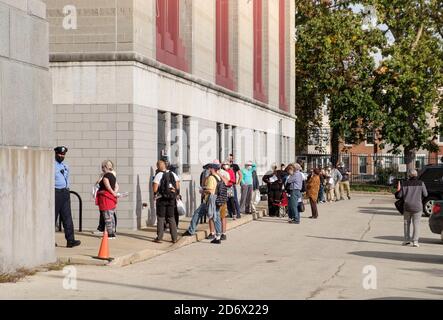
{"type": "Point", "coordinates": [217, 194]}
{"type": "Point", "coordinates": [208, 205]}
{"type": "Point", "coordinates": [222, 202]}
{"type": "Point", "coordinates": [166, 186]}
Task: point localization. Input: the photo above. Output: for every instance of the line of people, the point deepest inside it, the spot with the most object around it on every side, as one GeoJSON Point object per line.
{"type": "Point", "coordinates": [287, 184]}
{"type": "Point", "coordinates": [219, 197]}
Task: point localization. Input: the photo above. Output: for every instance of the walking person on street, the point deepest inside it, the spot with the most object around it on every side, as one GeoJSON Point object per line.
{"type": "Point", "coordinates": [336, 177]}
{"type": "Point", "coordinates": [312, 190]}
{"type": "Point", "coordinates": [295, 184]}
{"type": "Point", "coordinates": [63, 197]}
{"type": "Point", "coordinates": [165, 186]}
{"type": "Point", "coordinates": [344, 183]}
{"type": "Point", "coordinates": [107, 195]}
{"type": "Point", "coordinates": [246, 189]}
{"type": "Point", "coordinates": [412, 192]}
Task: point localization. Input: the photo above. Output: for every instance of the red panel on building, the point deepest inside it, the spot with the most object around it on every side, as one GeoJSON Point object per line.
{"type": "Point", "coordinates": [259, 93]}
{"type": "Point", "coordinates": [170, 48]}
{"type": "Point", "coordinates": [224, 76]}
{"type": "Point", "coordinates": [282, 65]}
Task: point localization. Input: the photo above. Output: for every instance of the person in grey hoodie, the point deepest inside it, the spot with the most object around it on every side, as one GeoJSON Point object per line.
{"type": "Point", "coordinates": [412, 192]}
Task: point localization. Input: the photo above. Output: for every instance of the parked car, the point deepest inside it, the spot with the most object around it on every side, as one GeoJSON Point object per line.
{"type": "Point", "coordinates": [436, 219]}
{"type": "Point", "coordinates": [432, 176]}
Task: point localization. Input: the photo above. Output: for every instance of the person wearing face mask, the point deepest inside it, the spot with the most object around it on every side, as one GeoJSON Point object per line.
{"type": "Point", "coordinates": [63, 197]}
{"type": "Point", "coordinates": [232, 208]}
{"type": "Point", "coordinates": [246, 188]}
{"type": "Point", "coordinates": [107, 197]}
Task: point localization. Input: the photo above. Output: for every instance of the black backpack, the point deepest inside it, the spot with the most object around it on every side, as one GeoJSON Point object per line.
{"type": "Point", "coordinates": [164, 190]}
{"type": "Point", "coordinates": [221, 192]}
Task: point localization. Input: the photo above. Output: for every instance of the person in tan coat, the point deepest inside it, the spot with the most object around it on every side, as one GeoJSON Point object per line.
{"type": "Point", "coordinates": [312, 189]}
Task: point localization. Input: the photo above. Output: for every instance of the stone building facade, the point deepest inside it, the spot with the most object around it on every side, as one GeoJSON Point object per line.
{"type": "Point", "coordinates": [26, 137]}
{"type": "Point", "coordinates": [192, 79]}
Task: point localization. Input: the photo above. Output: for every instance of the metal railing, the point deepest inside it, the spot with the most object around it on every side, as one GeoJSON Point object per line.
{"type": "Point", "coordinates": [80, 213]}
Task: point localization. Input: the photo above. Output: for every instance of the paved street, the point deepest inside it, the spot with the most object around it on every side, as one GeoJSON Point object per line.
{"type": "Point", "coordinates": [271, 259]}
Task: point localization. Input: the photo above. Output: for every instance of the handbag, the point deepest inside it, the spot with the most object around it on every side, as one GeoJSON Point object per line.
{"type": "Point", "coordinates": [181, 208]}
{"type": "Point", "coordinates": [301, 207]}
{"type": "Point", "coordinates": [400, 205]}
{"type": "Point", "coordinates": [257, 198]}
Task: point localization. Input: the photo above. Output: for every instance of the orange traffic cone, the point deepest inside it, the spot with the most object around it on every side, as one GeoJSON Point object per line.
{"type": "Point", "coordinates": [103, 253]}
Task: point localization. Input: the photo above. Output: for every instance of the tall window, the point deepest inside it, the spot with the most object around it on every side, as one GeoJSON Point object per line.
{"type": "Point", "coordinates": [161, 134]}
{"type": "Point", "coordinates": [259, 92]}
{"type": "Point", "coordinates": [370, 137]}
{"type": "Point", "coordinates": [224, 75]}
{"type": "Point", "coordinates": [282, 58]}
{"type": "Point", "coordinates": [362, 164]}
{"type": "Point", "coordinates": [170, 49]}
{"type": "Point", "coordinates": [219, 141]}
{"type": "Point", "coordinates": [186, 144]}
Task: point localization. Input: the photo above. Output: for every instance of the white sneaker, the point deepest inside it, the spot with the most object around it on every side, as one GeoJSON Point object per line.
{"type": "Point", "coordinates": [98, 233]}
{"type": "Point", "coordinates": [406, 243]}
{"type": "Point", "coordinates": [416, 245]}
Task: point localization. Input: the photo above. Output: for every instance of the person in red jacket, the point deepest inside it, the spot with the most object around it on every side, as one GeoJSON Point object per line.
{"type": "Point", "coordinates": [107, 196]}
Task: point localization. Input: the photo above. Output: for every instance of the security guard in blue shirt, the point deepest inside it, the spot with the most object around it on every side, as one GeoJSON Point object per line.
{"type": "Point", "coordinates": [63, 197]}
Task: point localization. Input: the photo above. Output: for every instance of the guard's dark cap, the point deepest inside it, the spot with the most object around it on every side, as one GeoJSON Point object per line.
{"type": "Point", "coordinates": [61, 150]}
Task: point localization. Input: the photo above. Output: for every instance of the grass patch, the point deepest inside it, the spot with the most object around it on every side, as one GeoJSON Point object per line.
{"type": "Point", "coordinates": [17, 275]}
{"type": "Point", "coordinates": [22, 273]}
{"type": "Point", "coordinates": [371, 188]}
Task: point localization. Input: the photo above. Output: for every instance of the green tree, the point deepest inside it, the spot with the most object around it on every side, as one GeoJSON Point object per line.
{"type": "Point", "coordinates": [407, 82]}
{"type": "Point", "coordinates": [335, 64]}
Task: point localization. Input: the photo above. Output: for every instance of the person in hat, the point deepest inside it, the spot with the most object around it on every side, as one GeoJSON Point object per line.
{"type": "Point", "coordinates": [208, 204]}
{"type": "Point", "coordinates": [63, 197]}
{"type": "Point", "coordinates": [246, 188]}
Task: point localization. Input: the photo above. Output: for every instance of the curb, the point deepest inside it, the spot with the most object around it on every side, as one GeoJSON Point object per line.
{"type": "Point", "coordinates": [147, 254]}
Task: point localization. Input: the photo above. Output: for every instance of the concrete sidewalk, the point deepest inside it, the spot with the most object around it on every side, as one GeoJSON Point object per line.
{"type": "Point", "coordinates": [132, 246]}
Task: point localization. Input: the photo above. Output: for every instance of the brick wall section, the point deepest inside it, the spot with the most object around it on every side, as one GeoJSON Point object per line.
{"type": "Point", "coordinates": [94, 133]}
{"type": "Point", "coordinates": [101, 26]}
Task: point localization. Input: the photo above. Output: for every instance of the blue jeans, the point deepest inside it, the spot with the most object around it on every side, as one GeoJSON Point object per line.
{"type": "Point", "coordinates": [198, 213]}
{"type": "Point", "coordinates": [321, 194]}
{"type": "Point", "coordinates": [293, 205]}
{"type": "Point", "coordinates": [217, 223]}
{"type": "Point", "coordinates": [237, 204]}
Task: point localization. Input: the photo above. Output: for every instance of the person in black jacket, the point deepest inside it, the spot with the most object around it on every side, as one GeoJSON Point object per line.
{"type": "Point", "coordinates": [412, 192]}
{"type": "Point", "coordinates": [275, 189]}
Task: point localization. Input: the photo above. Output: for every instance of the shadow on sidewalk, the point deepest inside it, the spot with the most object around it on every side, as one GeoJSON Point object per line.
{"type": "Point", "coordinates": [398, 256]}
{"type": "Point", "coordinates": [380, 210]}
{"type": "Point", "coordinates": [421, 240]}
{"type": "Point", "coordinates": [164, 290]}
{"type": "Point", "coordinates": [351, 240]}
